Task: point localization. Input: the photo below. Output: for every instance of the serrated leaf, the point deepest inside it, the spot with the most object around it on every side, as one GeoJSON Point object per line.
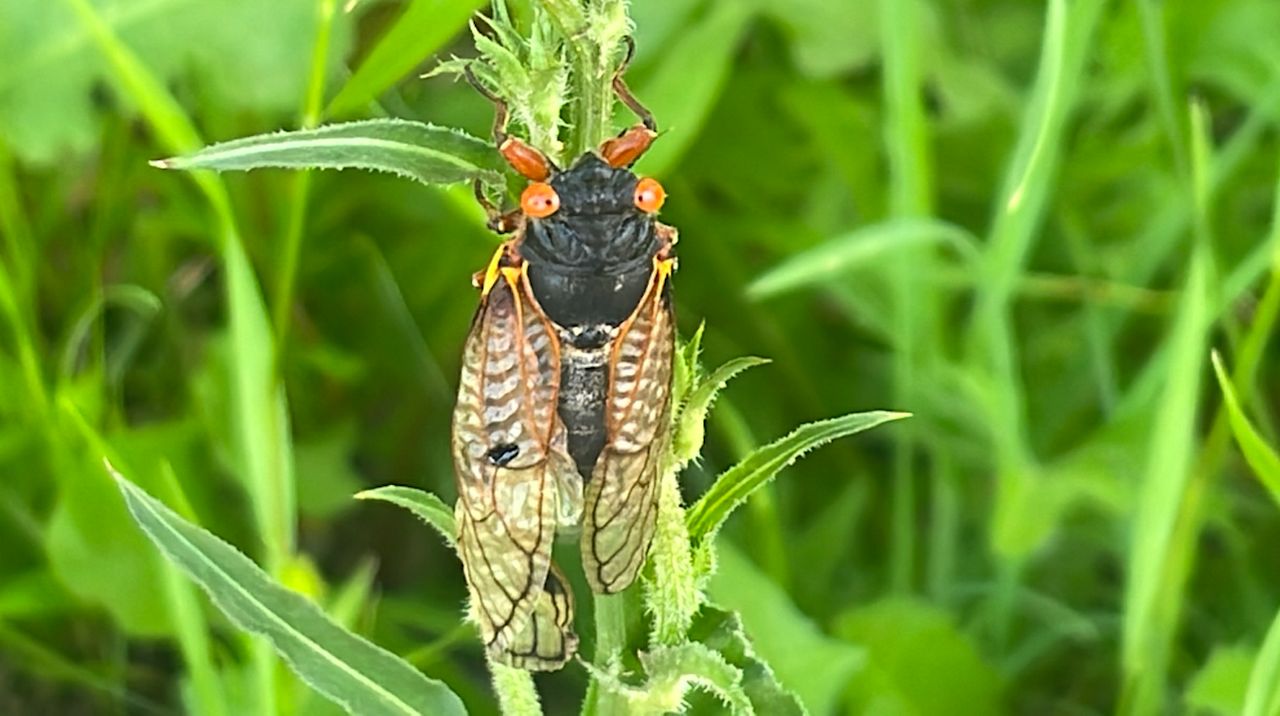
{"type": "Point", "coordinates": [685, 368]}
{"type": "Point", "coordinates": [691, 430]}
{"type": "Point", "coordinates": [722, 631]}
{"type": "Point", "coordinates": [352, 672]}
{"type": "Point", "coordinates": [737, 483]}
{"type": "Point", "coordinates": [836, 257]}
{"type": "Point", "coordinates": [422, 152]}
{"type": "Point", "coordinates": [423, 28]}
{"type": "Point", "coordinates": [1260, 456]}
{"type": "Point", "coordinates": [425, 505]}
{"type": "Point", "coordinates": [672, 669]}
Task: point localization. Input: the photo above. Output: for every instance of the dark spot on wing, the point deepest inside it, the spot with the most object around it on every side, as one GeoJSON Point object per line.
{"type": "Point", "coordinates": [502, 454]}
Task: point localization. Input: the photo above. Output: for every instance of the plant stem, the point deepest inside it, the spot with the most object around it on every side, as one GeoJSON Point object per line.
{"type": "Point", "coordinates": [517, 695]}
{"type": "Point", "coordinates": [906, 144]}
{"type": "Point", "coordinates": [592, 37]}
{"type": "Point", "coordinates": [672, 595]}
{"type": "Point", "coordinates": [611, 638]}
{"type": "Point", "coordinates": [301, 189]}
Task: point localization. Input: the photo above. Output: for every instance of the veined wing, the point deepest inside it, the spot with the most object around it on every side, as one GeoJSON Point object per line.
{"type": "Point", "coordinates": [621, 500]}
{"type": "Point", "coordinates": [510, 460]}
{"type": "Point", "coordinates": [547, 641]}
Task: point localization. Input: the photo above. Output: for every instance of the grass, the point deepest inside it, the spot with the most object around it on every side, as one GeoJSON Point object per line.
{"type": "Point", "coordinates": [1027, 224]}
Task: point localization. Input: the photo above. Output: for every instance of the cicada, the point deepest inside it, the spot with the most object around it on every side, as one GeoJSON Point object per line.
{"type": "Point", "coordinates": [564, 403]}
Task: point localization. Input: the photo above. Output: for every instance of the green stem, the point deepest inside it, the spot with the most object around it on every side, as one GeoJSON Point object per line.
{"type": "Point", "coordinates": [611, 638]}
{"type": "Point", "coordinates": [517, 695]}
{"type": "Point", "coordinates": [301, 188]}
{"type": "Point", "coordinates": [906, 143]}
{"type": "Point", "coordinates": [672, 595]}
{"type": "Point", "coordinates": [593, 40]}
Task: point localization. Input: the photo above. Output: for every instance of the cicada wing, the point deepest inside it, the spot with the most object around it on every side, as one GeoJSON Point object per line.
{"type": "Point", "coordinates": [509, 456]}
{"type": "Point", "coordinates": [547, 640]}
{"type": "Point", "coordinates": [621, 500]}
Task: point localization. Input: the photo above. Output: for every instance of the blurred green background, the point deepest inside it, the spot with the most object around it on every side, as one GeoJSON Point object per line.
{"type": "Point", "coordinates": [1027, 223]}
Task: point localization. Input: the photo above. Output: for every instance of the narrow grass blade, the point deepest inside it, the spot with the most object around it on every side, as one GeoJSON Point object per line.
{"type": "Point", "coordinates": [262, 428]}
{"type": "Point", "coordinates": [736, 484]}
{"type": "Point", "coordinates": [425, 505]}
{"type": "Point", "coordinates": [1263, 695]}
{"type": "Point", "coordinates": [422, 152]}
{"type": "Point", "coordinates": [1157, 561]}
{"type": "Point", "coordinates": [350, 671]}
{"type": "Point", "coordinates": [423, 28]}
{"type": "Point", "coordinates": [1260, 456]}
{"type": "Point", "coordinates": [833, 259]}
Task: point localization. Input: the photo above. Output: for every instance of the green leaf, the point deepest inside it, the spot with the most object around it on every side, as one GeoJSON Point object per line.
{"type": "Point", "coordinates": [685, 368]}
{"type": "Point", "coordinates": [91, 542]}
{"type": "Point", "coordinates": [349, 670]}
{"type": "Point", "coordinates": [423, 28]}
{"type": "Point", "coordinates": [836, 257]}
{"type": "Point", "coordinates": [683, 89]}
{"type": "Point", "coordinates": [328, 478]}
{"type": "Point", "coordinates": [722, 631]}
{"type": "Point", "coordinates": [904, 639]}
{"type": "Point", "coordinates": [1262, 698]}
{"type": "Point", "coordinates": [425, 505]}
{"type": "Point", "coordinates": [1260, 456]}
{"type": "Point", "coordinates": [240, 56]}
{"type": "Point", "coordinates": [1160, 537]}
{"type": "Point", "coordinates": [1219, 686]}
{"type": "Point", "coordinates": [33, 593]}
{"type": "Point", "coordinates": [672, 669]}
{"type": "Point", "coordinates": [425, 153]}
{"type": "Point", "coordinates": [827, 38]}
{"type": "Point", "coordinates": [691, 428]}
{"type": "Point", "coordinates": [736, 484]}
{"type": "Point", "coordinates": [807, 661]}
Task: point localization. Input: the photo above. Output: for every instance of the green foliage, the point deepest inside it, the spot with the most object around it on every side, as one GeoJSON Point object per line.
{"type": "Point", "coordinates": [836, 258]}
{"type": "Point", "coordinates": [431, 155]}
{"type": "Point", "coordinates": [361, 677]}
{"type": "Point", "coordinates": [51, 65]}
{"type": "Point", "coordinates": [423, 28]}
{"type": "Point", "coordinates": [905, 639]}
{"type": "Point", "coordinates": [1260, 456]}
{"type": "Point", "coordinates": [732, 488]}
{"type": "Point", "coordinates": [1263, 695]}
{"type": "Point", "coordinates": [722, 631]}
{"type": "Point", "coordinates": [814, 666]}
{"type": "Point", "coordinates": [1219, 686]}
{"type": "Point", "coordinates": [999, 216]}
{"type": "Point", "coordinates": [425, 505]}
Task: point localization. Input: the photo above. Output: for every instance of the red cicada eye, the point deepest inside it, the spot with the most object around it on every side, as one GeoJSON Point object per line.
{"type": "Point", "coordinates": [650, 195]}
{"type": "Point", "coordinates": [539, 200]}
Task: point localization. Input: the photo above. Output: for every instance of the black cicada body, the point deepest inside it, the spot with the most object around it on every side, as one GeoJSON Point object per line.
{"type": "Point", "coordinates": [564, 405]}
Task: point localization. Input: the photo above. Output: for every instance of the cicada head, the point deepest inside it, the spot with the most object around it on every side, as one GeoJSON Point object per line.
{"type": "Point", "coordinates": [593, 217]}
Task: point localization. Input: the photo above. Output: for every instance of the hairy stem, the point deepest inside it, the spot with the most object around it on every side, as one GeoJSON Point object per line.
{"type": "Point", "coordinates": [517, 695]}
